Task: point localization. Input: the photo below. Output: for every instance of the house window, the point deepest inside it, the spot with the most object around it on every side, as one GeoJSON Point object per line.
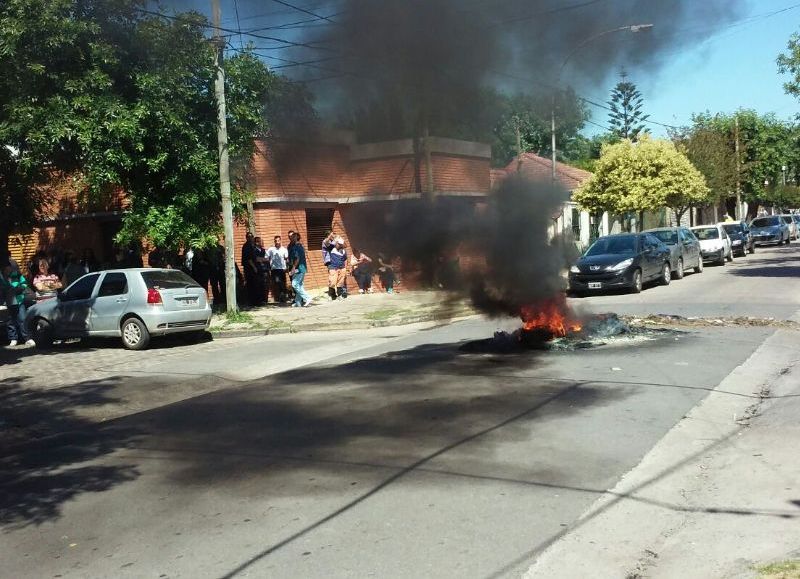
{"type": "Point", "coordinates": [576, 223]}
{"type": "Point", "coordinates": [318, 222]}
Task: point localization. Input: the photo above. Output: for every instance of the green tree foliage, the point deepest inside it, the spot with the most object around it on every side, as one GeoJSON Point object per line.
{"type": "Point", "coordinates": [626, 117]}
{"type": "Point", "coordinates": [709, 143]}
{"type": "Point", "coordinates": [789, 63]}
{"type": "Point", "coordinates": [123, 100]}
{"type": "Point", "coordinates": [766, 146]}
{"type": "Point", "coordinates": [530, 115]}
{"type": "Point", "coordinates": [642, 176]}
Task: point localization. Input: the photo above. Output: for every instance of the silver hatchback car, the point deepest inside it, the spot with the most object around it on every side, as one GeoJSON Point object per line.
{"type": "Point", "coordinates": [133, 304]}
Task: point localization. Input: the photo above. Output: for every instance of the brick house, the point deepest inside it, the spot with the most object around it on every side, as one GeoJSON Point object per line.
{"type": "Point", "coordinates": [336, 184]}
{"type": "Point", "coordinates": [332, 183]}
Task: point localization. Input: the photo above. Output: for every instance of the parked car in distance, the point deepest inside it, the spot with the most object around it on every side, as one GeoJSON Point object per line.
{"type": "Point", "coordinates": [788, 219]}
{"type": "Point", "coordinates": [622, 261]}
{"type": "Point", "coordinates": [769, 229]}
{"type": "Point", "coordinates": [132, 304]}
{"type": "Point", "coordinates": [684, 249]}
{"type": "Point", "coordinates": [741, 240]}
{"type": "Point", "coordinates": [715, 245]}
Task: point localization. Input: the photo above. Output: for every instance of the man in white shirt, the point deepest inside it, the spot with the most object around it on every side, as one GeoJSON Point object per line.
{"type": "Point", "coordinates": [277, 256]}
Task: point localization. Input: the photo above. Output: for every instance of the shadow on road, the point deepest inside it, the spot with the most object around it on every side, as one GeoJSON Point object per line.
{"type": "Point", "coordinates": [779, 262]}
{"type": "Point", "coordinates": [45, 450]}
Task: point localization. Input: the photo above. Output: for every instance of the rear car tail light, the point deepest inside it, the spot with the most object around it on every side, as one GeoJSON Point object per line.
{"type": "Point", "coordinates": [153, 297]}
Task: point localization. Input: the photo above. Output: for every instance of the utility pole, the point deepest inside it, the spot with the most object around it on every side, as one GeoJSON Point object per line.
{"type": "Point", "coordinates": [224, 168]}
{"type": "Point", "coordinates": [553, 135]}
{"type": "Point", "coordinates": [738, 178]}
{"type": "Point", "coordinates": [426, 148]}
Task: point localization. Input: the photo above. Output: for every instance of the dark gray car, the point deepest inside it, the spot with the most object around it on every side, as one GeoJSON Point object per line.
{"type": "Point", "coordinates": [684, 249]}
{"type": "Point", "coordinates": [769, 229]}
{"type": "Point", "coordinates": [622, 261]}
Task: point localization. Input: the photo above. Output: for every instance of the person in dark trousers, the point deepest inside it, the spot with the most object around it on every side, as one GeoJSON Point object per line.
{"type": "Point", "coordinates": [250, 268]}
{"type": "Point", "coordinates": [290, 290]}
{"type": "Point", "coordinates": [385, 273]}
{"type": "Point", "coordinates": [278, 256]}
{"type": "Point", "coordinates": [262, 268]}
{"type": "Point", "coordinates": [216, 263]}
{"type": "Point", "coordinates": [361, 268]}
{"type": "Point", "coordinates": [328, 243]}
{"type": "Point", "coordinates": [12, 286]}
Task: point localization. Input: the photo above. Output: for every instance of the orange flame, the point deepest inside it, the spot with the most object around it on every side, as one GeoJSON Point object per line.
{"type": "Point", "coordinates": [551, 315]}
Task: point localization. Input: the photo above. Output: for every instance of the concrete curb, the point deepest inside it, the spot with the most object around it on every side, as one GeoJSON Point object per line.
{"type": "Point", "coordinates": [631, 530]}
{"type": "Point", "coordinates": [329, 327]}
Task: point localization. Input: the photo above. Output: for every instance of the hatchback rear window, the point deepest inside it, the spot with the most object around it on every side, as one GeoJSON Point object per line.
{"type": "Point", "coordinates": [167, 279]}
{"type": "Point", "coordinates": [765, 222]}
{"type": "Point", "coordinates": [735, 228]}
{"type": "Point", "coordinates": [707, 233]}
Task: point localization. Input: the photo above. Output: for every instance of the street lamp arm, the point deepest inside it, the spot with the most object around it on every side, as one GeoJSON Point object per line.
{"type": "Point", "coordinates": [631, 27]}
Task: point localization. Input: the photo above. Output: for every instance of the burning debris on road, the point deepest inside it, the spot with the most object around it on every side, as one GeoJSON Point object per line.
{"type": "Point", "coordinates": [590, 332]}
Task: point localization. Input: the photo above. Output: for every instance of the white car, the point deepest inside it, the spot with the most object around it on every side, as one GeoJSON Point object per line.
{"type": "Point", "coordinates": [789, 220]}
{"type": "Point", "coordinates": [715, 245]}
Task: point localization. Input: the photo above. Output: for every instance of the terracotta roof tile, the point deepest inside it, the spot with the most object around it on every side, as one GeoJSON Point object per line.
{"type": "Point", "coordinates": [540, 168]}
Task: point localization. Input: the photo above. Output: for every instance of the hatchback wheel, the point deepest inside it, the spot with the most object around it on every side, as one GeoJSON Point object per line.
{"type": "Point", "coordinates": [730, 255]}
{"type": "Point", "coordinates": [134, 334]}
{"type": "Point", "coordinates": [699, 268]}
{"type": "Point", "coordinates": [636, 286]}
{"type": "Point", "coordinates": [721, 259]}
{"type": "Point", "coordinates": [43, 333]}
{"type": "Point", "coordinates": [666, 274]}
{"type": "Point", "coordinates": [679, 270]}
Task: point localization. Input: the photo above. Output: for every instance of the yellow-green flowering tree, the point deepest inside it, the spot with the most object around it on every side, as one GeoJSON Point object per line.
{"type": "Point", "coordinates": [643, 176]}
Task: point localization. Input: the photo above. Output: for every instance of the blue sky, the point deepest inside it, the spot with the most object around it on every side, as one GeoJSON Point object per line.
{"type": "Point", "coordinates": [734, 69]}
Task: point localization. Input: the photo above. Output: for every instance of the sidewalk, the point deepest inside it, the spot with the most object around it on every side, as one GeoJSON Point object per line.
{"type": "Point", "coordinates": [358, 311]}
{"type": "Point", "coordinates": [717, 497]}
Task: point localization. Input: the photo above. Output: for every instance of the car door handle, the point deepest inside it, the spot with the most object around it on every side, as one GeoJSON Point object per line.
{"type": "Point", "coordinates": [122, 300]}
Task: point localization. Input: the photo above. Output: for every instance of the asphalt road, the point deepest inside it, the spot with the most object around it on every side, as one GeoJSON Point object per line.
{"type": "Point", "coordinates": [765, 284]}
{"type": "Point", "coordinates": [402, 452]}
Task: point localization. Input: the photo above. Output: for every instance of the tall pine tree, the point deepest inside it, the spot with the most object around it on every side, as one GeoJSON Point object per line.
{"type": "Point", "coordinates": [626, 118]}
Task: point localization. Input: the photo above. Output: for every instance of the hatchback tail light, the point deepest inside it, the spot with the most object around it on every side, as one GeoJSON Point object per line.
{"type": "Point", "coordinates": [153, 297]}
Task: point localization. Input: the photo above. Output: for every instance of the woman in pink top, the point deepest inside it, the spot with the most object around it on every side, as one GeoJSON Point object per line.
{"type": "Point", "coordinates": [45, 283]}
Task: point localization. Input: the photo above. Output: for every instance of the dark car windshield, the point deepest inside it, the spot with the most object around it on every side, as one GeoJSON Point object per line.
{"type": "Point", "coordinates": [167, 279]}
{"type": "Point", "coordinates": [624, 244]}
{"type": "Point", "coordinates": [668, 236]}
{"type": "Point", "coordinates": [706, 233]}
{"type": "Point", "coordinates": [787, 218]}
{"type": "Point", "coordinates": [733, 228]}
{"type": "Point", "coordinates": [766, 221]}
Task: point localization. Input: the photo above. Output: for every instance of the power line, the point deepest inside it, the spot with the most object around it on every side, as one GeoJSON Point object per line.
{"type": "Point", "coordinates": [238, 24]}
{"type": "Point", "coordinates": [303, 10]}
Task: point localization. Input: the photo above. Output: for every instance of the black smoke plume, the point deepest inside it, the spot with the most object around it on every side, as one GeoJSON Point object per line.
{"type": "Point", "coordinates": [429, 63]}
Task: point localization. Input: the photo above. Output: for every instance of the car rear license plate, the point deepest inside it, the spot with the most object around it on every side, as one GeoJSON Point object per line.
{"type": "Point", "coordinates": [187, 302]}
{"type": "Point", "coordinates": [595, 285]}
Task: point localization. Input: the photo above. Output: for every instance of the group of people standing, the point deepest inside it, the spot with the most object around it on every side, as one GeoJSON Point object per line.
{"type": "Point", "coordinates": [267, 269]}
